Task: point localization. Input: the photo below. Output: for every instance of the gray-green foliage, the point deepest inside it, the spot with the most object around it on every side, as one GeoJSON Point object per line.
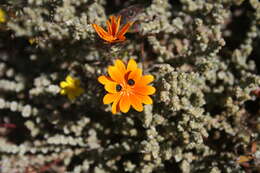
{"type": "Point", "coordinates": [198, 120]}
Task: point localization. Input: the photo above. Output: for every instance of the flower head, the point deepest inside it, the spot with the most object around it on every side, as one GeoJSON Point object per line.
{"type": "Point", "coordinates": [126, 86]}
{"type": "Point", "coordinates": [2, 16]}
{"type": "Point", "coordinates": [71, 88]}
{"type": "Point", "coordinates": [114, 33]}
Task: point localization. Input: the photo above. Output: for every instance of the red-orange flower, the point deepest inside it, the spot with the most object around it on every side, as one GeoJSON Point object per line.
{"type": "Point", "coordinates": [126, 87]}
{"type": "Point", "coordinates": [113, 33]}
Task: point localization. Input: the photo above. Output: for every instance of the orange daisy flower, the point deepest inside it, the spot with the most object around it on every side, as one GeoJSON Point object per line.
{"type": "Point", "coordinates": [126, 87]}
{"type": "Point", "coordinates": [113, 33]}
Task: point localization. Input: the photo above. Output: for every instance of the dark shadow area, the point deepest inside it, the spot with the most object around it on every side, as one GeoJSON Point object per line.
{"type": "Point", "coordinates": [238, 25]}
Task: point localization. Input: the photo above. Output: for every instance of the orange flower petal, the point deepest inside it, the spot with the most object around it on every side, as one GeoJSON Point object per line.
{"type": "Point", "coordinates": [117, 41]}
{"type": "Point", "coordinates": [102, 33]}
{"type": "Point", "coordinates": [115, 105]}
{"type": "Point", "coordinates": [109, 98]}
{"type": "Point", "coordinates": [115, 74]}
{"type": "Point", "coordinates": [113, 24]}
{"type": "Point", "coordinates": [146, 99]}
{"type": "Point", "coordinates": [104, 79]}
{"type": "Point", "coordinates": [121, 66]}
{"type": "Point", "coordinates": [135, 75]}
{"type": "Point", "coordinates": [108, 39]}
{"type": "Point", "coordinates": [109, 27]}
{"type": "Point", "coordinates": [122, 38]}
{"type": "Point", "coordinates": [131, 66]}
{"type": "Point", "coordinates": [125, 28]}
{"type": "Point", "coordinates": [117, 25]}
{"type": "Point", "coordinates": [144, 90]}
{"type": "Point", "coordinates": [136, 103]}
{"type": "Point", "coordinates": [124, 103]}
{"type": "Point", "coordinates": [144, 80]}
{"type": "Point", "coordinates": [111, 87]}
